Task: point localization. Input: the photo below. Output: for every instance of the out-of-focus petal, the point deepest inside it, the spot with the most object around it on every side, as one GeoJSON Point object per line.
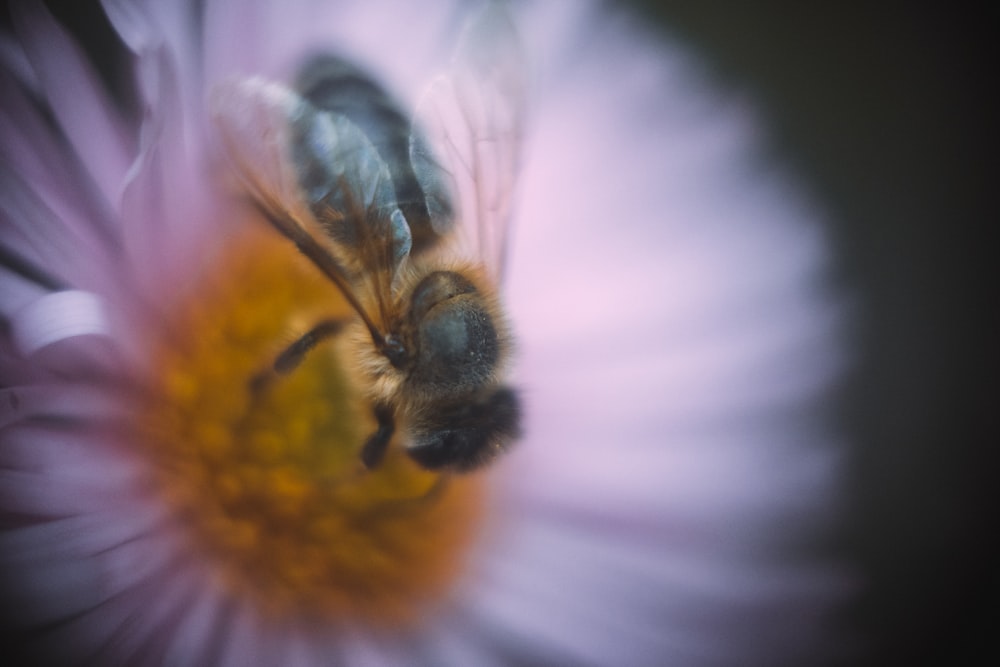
{"type": "Point", "coordinates": [52, 214]}
{"type": "Point", "coordinates": [159, 224]}
{"type": "Point", "coordinates": [75, 95]}
{"type": "Point", "coordinates": [58, 316]}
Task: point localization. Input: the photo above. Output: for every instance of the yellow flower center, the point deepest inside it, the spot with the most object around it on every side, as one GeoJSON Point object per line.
{"type": "Point", "coordinates": [269, 482]}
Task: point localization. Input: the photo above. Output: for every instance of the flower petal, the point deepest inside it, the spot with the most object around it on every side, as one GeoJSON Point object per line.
{"type": "Point", "coordinates": [76, 97]}
{"type": "Point", "coordinates": [58, 316]}
{"type": "Point", "coordinates": [62, 565]}
{"type": "Point", "coordinates": [52, 217]}
{"type": "Point", "coordinates": [201, 633]}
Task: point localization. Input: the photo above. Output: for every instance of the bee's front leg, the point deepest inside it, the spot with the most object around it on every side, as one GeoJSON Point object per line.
{"type": "Point", "coordinates": [378, 442]}
{"type": "Point", "coordinates": [292, 356]}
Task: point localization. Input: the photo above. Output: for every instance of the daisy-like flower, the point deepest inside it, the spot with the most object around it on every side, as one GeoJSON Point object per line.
{"type": "Point", "coordinates": [677, 343]}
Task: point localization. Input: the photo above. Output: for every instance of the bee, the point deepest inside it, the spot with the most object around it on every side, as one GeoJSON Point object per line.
{"type": "Point", "coordinates": [336, 168]}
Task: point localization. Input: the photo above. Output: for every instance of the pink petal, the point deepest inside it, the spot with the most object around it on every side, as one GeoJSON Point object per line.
{"type": "Point", "coordinates": [76, 97]}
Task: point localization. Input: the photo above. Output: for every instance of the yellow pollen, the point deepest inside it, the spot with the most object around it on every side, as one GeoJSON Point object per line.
{"type": "Point", "coordinates": [268, 484]}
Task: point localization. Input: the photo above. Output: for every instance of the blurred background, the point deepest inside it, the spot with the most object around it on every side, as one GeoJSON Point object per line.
{"type": "Point", "coordinates": [887, 116]}
{"type": "Point", "coordinates": [887, 113]}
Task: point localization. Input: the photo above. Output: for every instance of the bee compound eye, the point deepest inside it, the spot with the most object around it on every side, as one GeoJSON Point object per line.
{"type": "Point", "coordinates": [468, 436]}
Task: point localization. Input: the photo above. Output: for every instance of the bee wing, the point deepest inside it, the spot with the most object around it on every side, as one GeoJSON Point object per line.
{"type": "Point", "coordinates": [474, 120]}
{"type": "Point", "coordinates": [310, 169]}
{"type": "Point", "coordinates": [252, 118]}
{"type": "Point", "coordinates": [349, 188]}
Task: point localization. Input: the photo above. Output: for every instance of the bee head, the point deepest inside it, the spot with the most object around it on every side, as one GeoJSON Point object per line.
{"type": "Point", "coordinates": [468, 434]}
{"type": "Point", "coordinates": [454, 341]}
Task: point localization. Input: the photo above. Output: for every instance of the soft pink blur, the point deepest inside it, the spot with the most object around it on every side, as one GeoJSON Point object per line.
{"type": "Point", "coordinates": [677, 347]}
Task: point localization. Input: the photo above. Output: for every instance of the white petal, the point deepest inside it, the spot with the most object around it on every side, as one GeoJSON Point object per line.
{"type": "Point", "coordinates": [58, 316]}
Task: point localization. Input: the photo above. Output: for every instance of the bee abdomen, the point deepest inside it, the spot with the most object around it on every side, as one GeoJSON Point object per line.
{"type": "Point", "coordinates": [334, 85]}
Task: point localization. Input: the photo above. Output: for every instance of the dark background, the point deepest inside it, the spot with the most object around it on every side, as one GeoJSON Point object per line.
{"type": "Point", "coordinates": [887, 114]}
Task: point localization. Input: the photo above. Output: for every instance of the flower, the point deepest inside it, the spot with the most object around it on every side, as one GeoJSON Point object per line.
{"type": "Point", "coordinates": [677, 341]}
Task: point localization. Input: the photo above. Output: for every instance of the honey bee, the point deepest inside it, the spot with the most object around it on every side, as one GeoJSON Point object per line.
{"type": "Point", "coordinates": [335, 167]}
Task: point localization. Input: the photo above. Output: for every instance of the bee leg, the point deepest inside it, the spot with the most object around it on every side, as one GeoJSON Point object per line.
{"type": "Point", "coordinates": [378, 442]}
{"type": "Point", "coordinates": [292, 356]}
